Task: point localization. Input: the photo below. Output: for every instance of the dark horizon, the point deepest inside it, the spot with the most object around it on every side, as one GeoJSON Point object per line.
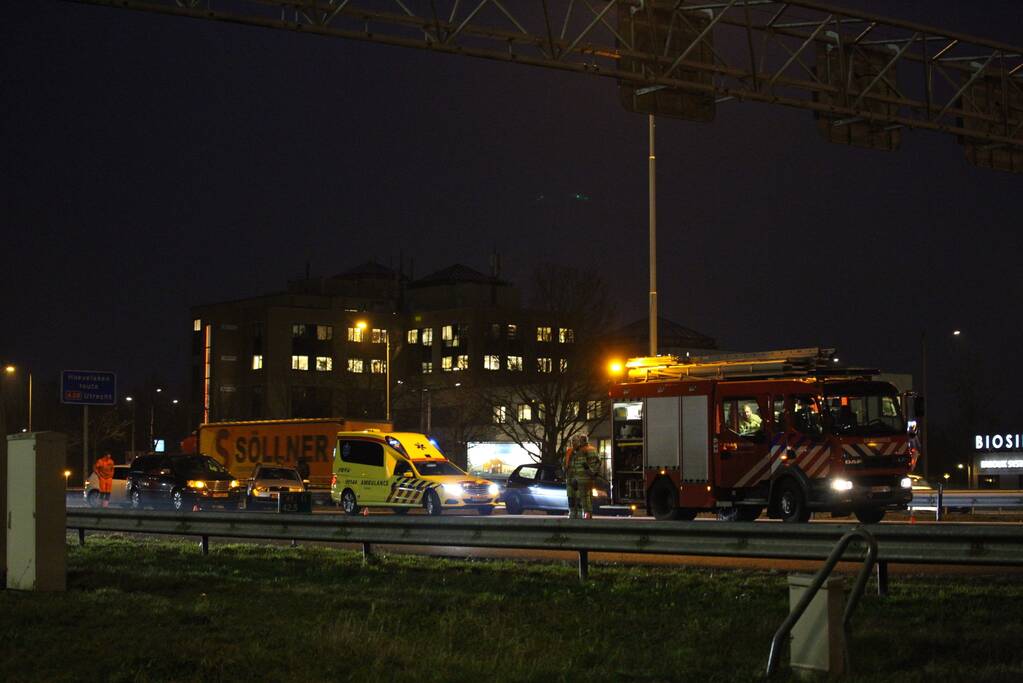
{"type": "Point", "coordinates": [156, 163]}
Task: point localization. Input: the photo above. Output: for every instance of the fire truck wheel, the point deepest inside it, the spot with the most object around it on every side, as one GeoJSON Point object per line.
{"type": "Point", "coordinates": [792, 503]}
{"type": "Point", "coordinates": [869, 515]}
{"type": "Point", "coordinates": [663, 502]}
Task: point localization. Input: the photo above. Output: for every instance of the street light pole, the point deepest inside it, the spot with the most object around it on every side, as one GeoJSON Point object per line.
{"type": "Point", "coordinates": [387, 374]}
{"type": "Point", "coordinates": [652, 189]}
{"type": "Point", "coordinates": [130, 400]}
{"type": "Point", "coordinates": [923, 392]}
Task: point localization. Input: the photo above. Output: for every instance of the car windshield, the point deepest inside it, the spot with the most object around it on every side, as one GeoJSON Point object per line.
{"type": "Point", "coordinates": [866, 409]}
{"type": "Point", "coordinates": [198, 466]}
{"type": "Point", "coordinates": [436, 468]}
{"type": "Point", "coordinates": [278, 473]}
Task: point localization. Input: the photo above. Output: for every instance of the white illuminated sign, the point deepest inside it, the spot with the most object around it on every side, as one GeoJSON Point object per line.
{"type": "Point", "coordinates": [1001, 464]}
{"type": "Point", "coordinates": [994, 442]}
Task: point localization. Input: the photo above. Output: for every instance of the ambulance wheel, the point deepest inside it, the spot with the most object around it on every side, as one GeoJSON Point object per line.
{"type": "Point", "coordinates": [512, 504]}
{"type": "Point", "coordinates": [349, 504]}
{"type": "Point", "coordinates": [662, 501]}
{"type": "Point", "coordinates": [869, 515]}
{"type": "Point", "coordinates": [400, 511]}
{"type": "Point", "coordinates": [136, 499]}
{"type": "Point", "coordinates": [432, 503]}
{"type": "Point", "coordinates": [792, 503]}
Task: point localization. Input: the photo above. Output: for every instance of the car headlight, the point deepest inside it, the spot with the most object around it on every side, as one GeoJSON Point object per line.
{"type": "Point", "coordinates": [196, 484]}
{"type": "Point", "coordinates": [493, 489]}
{"type": "Point", "coordinates": [453, 489]}
{"type": "Point", "coordinates": [595, 492]}
{"type": "Point", "coordinates": [259, 489]}
{"type": "Point", "coordinates": [906, 483]}
{"type": "Point", "coordinates": [841, 484]}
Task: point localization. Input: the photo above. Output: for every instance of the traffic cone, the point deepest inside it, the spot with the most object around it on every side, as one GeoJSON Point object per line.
{"type": "Point", "coordinates": [195, 508]}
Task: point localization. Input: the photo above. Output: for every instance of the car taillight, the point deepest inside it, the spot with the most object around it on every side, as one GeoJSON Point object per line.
{"type": "Point", "coordinates": [333, 480]}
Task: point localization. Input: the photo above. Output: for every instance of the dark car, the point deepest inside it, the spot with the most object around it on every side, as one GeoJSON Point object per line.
{"type": "Point", "coordinates": [542, 487]}
{"type": "Point", "coordinates": [182, 482]}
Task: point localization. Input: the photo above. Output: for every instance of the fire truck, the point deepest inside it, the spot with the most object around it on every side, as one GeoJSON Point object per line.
{"type": "Point", "coordinates": [790, 432]}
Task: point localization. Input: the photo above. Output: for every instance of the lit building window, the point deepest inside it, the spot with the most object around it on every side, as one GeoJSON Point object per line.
{"type": "Point", "coordinates": [447, 333]}
{"type": "Point", "coordinates": [427, 336]}
{"type": "Point", "coordinates": [355, 365]}
{"type": "Point", "coordinates": [197, 325]}
{"type": "Point", "coordinates": [324, 332]}
{"type": "Point", "coordinates": [356, 334]}
{"type": "Point", "coordinates": [524, 412]}
{"type": "Point", "coordinates": [515, 362]}
{"type": "Point", "coordinates": [500, 414]}
{"type": "Point", "coordinates": [593, 410]}
{"type": "Point", "coordinates": [462, 362]}
{"type": "Point", "coordinates": [324, 363]}
{"type": "Point", "coordinates": [257, 361]}
{"type": "Point", "coordinates": [412, 336]}
{"type": "Point", "coordinates": [563, 364]}
{"type": "Point", "coordinates": [566, 335]}
{"type": "Point", "coordinates": [543, 365]}
{"type": "Point", "coordinates": [300, 362]}
{"type": "Point", "coordinates": [377, 366]}
{"type": "Point", "coordinates": [543, 334]}
{"type": "Point", "coordinates": [298, 330]}
{"type": "Point", "coordinates": [427, 367]}
{"type": "Point", "coordinates": [445, 363]}
{"type": "Point", "coordinates": [513, 331]}
{"type": "Point", "coordinates": [379, 336]}
{"type": "Point", "coordinates": [573, 409]}
{"type": "Point", "coordinates": [492, 362]}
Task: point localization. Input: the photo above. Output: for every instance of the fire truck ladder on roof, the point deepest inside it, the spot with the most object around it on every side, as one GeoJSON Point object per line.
{"type": "Point", "coordinates": [806, 362]}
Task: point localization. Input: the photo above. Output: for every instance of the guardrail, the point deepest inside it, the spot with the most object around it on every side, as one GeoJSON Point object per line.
{"type": "Point", "coordinates": [913, 544]}
{"type": "Point", "coordinates": [967, 498]}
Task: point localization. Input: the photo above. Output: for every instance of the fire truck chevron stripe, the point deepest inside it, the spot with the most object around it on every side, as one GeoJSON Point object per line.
{"type": "Point", "coordinates": [821, 466]}
{"type": "Point", "coordinates": [764, 462]}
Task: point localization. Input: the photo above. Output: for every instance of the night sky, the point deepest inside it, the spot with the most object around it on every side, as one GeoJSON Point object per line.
{"type": "Point", "coordinates": [151, 163]}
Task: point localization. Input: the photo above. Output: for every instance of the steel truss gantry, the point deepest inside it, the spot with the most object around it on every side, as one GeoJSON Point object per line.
{"type": "Point", "coordinates": [863, 76]}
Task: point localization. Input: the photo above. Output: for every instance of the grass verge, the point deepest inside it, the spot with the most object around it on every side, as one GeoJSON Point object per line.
{"type": "Point", "coordinates": [156, 610]}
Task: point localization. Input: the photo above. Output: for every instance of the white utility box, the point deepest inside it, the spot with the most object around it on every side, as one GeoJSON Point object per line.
{"type": "Point", "coordinates": [35, 513]}
{"type": "Point", "coordinates": [817, 639]}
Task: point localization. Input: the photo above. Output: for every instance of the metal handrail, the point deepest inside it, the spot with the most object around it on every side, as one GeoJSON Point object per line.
{"type": "Point", "coordinates": [818, 581]}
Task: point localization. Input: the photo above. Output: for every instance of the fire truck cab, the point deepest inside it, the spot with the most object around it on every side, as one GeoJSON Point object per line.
{"type": "Point", "coordinates": [789, 432]}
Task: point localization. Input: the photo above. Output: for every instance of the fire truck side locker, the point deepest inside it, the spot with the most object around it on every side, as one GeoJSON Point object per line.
{"type": "Point", "coordinates": [36, 516]}
{"type": "Point", "coordinates": [676, 433]}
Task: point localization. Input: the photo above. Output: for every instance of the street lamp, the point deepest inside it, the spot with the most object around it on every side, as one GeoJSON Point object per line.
{"type": "Point", "coordinates": [131, 400]}
{"type": "Point", "coordinates": [362, 325]}
{"type": "Point", "coordinates": [67, 475]}
{"type": "Point", "coordinates": [10, 370]}
{"type": "Point", "coordinates": [969, 473]}
{"type": "Point", "coordinates": [923, 392]}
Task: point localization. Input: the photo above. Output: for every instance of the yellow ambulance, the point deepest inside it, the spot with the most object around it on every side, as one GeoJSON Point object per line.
{"type": "Point", "coordinates": [403, 471]}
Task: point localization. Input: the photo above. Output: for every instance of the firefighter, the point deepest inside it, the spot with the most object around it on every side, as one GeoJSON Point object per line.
{"type": "Point", "coordinates": [104, 469]}
{"type": "Point", "coordinates": [750, 421]}
{"type": "Point", "coordinates": [583, 467]}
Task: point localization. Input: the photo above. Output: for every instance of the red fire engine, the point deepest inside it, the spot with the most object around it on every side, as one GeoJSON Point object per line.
{"type": "Point", "coordinates": [790, 431]}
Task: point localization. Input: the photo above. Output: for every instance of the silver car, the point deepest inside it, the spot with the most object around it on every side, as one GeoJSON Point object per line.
{"type": "Point", "coordinates": [267, 483]}
{"type": "Point", "coordinates": [118, 492]}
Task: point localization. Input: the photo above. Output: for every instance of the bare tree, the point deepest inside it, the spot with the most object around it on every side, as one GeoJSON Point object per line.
{"type": "Point", "coordinates": [572, 394]}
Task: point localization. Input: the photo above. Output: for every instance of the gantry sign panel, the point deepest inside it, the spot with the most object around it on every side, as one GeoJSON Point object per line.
{"type": "Point", "coordinates": [865, 78]}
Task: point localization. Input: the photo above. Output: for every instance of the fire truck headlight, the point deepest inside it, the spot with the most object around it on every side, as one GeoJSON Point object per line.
{"type": "Point", "coordinates": [841, 485]}
{"type": "Point", "coordinates": [906, 483]}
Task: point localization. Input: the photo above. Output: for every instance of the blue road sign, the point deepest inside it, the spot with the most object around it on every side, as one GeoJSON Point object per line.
{"type": "Point", "coordinates": [88, 388]}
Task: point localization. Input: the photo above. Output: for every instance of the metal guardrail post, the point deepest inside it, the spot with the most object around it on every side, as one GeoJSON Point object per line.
{"type": "Point", "coordinates": [367, 553]}
{"type": "Point", "coordinates": [882, 579]}
{"type": "Point", "coordinates": [937, 508]}
{"type": "Point", "coordinates": [205, 545]}
{"type": "Point", "coordinates": [584, 565]}
{"type": "Point", "coordinates": [811, 592]}
{"type": "Point", "coordinates": [81, 537]}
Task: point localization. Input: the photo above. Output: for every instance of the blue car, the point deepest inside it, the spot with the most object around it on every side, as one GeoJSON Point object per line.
{"type": "Point", "coordinates": [542, 487]}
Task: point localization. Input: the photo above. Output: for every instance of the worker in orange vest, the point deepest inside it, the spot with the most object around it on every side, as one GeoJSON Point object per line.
{"type": "Point", "coordinates": [104, 469]}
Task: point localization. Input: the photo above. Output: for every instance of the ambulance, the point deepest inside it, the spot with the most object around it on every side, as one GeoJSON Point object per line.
{"type": "Point", "coordinates": [403, 471]}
